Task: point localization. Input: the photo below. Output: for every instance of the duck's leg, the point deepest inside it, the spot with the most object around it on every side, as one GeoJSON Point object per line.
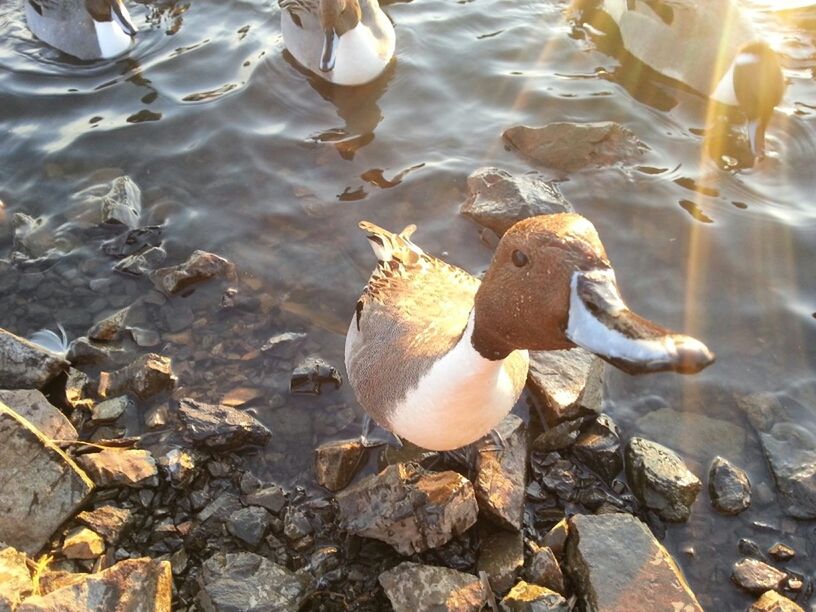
{"type": "Point", "coordinates": [369, 441]}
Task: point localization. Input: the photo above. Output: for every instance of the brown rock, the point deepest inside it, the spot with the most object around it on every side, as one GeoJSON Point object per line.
{"type": "Point", "coordinates": [567, 384]}
{"type": "Point", "coordinates": [82, 543]}
{"type": "Point", "coordinates": [148, 375]}
{"type": "Point", "coordinates": [501, 556]}
{"type": "Point", "coordinates": [199, 267]}
{"type": "Point", "coordinates": [337, 462]}
{"type": "Point", "coordinates": [32, 405]}
{"type": "Point", "coordinates": [556, 537]}
{"type": "Point", "coordinates": [533, 598]}
{"type": "Point", "coordinates": [411, 587]}
{"type": "Point", "coordinates": [501, 475]}
{"type": "Point", "coordinates": [108, 521]}
{"type": "Point", "coordinates": [219, 427]}
{"type": "Point", "coordinates": [15, 579]}
{"type": "Point", "coordinates": [781, 552]}
{"type": "Point", "coordinates": [116, 467]}
{"type": "Point", "coordinates": [111, 327]}
{"type": "Point", "coordinates": [76, 388]}
{"type": "Point", "coordinates": [771, 601]}
{"type": "Point", "coordinates": [757, 577]}
{"type": "Point", "coordinates": [24, 365]}
{"type": "Point", "coordinates": [544, 570]}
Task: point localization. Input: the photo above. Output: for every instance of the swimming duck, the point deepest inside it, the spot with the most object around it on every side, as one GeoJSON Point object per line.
{"type": "Point", "coordinates": [86, 29]}
{"type": "Point", "coordinates": [347, 42]}
{"type": "Point", "coordinates": [708, 45]}
{"type": "Point", "coordinates": [439, 358]}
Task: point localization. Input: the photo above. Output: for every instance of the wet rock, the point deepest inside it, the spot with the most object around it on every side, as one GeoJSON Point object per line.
{"type": "Point", "coordinates": [83, 351]}
{"type": "Point", "coordinates": [790, 449]}
{"type": "Point", "coordinates": [111, 409]}
{"type": "Point", "coordinates": [728, 487]}
{"type": "Point", "coordinates": [556, 538]}
{"type": "Point", "coordinates": [33, 507]}
{"type": "Point", "coordinates": [32, 405]}
{"type": "Point", "coordinates": [501, 475]}
{"type": "Point", "coordinates": [149, 375]}
{"type": "Point", "coordinates": [122, 204]}
{"type": "Point", "coordinates": [249, 524]}
{"type": "Point", "coordinates": [15, 579]}
{"type": "Point", "coordinates": [139, 264]}
{"type": "Point", "coordinates": [310, 376]}
{"type": "Point", "coordinates": [544, 570]}
{"type": "Point", "coordinates": [246, 581]}
{"type": "Point", "coordinates": [533, 598]}
{"type": "Point", "coordinates": [498, 199]}
{"type": "Point", "coordinates": [337, 462]}
{"type": "Point", "coordinates": [24, 365]}
{"type": "Point", "coordinates": [272, 497]}
{"type": "Point", "coordinates": [408, 507]}
{"type": "Point", "coordinates": [219, 427]}
{"type": "Point", "coordinates": [598, 448]}
{"type": "Point", "coordinates": [572, 146]}
{"type": "Point", "coordinates": [108, 521]}
{"type": "Point", "coordinates": [82, 543]}
{"type": "Point", "coordinates": [117, 467]}
{"type": "Point", "coordinates": [30, 237]}
{"type": "Point", "coordinates": [130, 585]}
{"type": "Point", "coordinates": [781, 552]}
{"type": "Point", "coordinates": [411, 587]}
{"type": "Point", "coordinates": [567, 384]}
{"type": "Point", "coordinates": [501, 556]}
{"type": "Point", "coordinates": [111, 327]}
{"type": "Point", "coordinates": [146, 338]}
{"type": "Point", "coordinates": [757, 577]}
{"type": "Point", "coordinates": [771, 601]}
{"type": "Point", "coordinates": [660, 479]}
{"type": "Point", "coordinates": [199, 267]}
{"type": "Point", "coordinates": [611, 558]}
{"type": "Point", "coordinates": [287, 341]}
{"type": "Point", "coordinates": [559, 436]}
{"type": "Point", "coordinates": [133, 241]}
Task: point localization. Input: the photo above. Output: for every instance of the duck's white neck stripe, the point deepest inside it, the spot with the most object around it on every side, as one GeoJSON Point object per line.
{"type": "Point", "coordinates": [724, 92]}
{"type": "Point", "coordinates": [112, 39]}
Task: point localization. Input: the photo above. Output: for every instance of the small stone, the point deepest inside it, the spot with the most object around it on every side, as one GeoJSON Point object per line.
{"type": "Point", "coordinates": [108, 521]}
{"type": "Point", "coordinates": [115, 467]}
{"type": "Point", "coordinates": [337, 462]}
{"type": "Point", "coordinates": [501, 474]}
{"type": "Point", "coordinates": [272, 497]}
{"type": "Point", "coordinates": [157, 416]}
{"type": "Point", "coordinates": [82, 543]}
{"type": "Point", "coordinates": [249, 524]}
{"type": "Point", "coordinates": [325, 559]}
{"type": "Point", "coordinates": [148, 375]}
{"type": "Point", "coordinates": [199, 267]}
{"type": "Point", "coordinates": [598, 448]}
{"type": "Point", "coordinates": [567, 384]}
{"type": "Point", "coordinates": [181, 466]}
{"type": "Point", "coordinates": [310, 376]}
{"type": "Point", "coordinates": [142, 263]}
{"type": "Point", "coordinates": [133, 241]}
{"type": "Point", "coordinates": [558, 437]}
{"type": "Point", "coordinates": [219, 427]}
{"type": "Point", "coordinates": [781, 552]}
{"type": "Point", "coordinates": [411, 587]}
{"type": "Point", "coordinates": [771, 601]}
{"type": "Point", "coordinates": [501, 556]}
{"type": "Point", "coordinates": [660, 479]}
{"type": "Point", "coordinates": [757, 577]}
{"type": "Point", "coordinates": [33, 406]}
{"type": "Point", "coordinates": [146, 338]}
{"type": "Point", "coordinates": [76, 388]}
{"type": "Point", "coordinates": [544, 570]}
{"type": "Point", "coordinates": [111, 327]}
{"type": "Point", "coordinates": [122, 204]}
{"type": "Point", "coordinates": [296, 525]}
{"type": "Point", "coordinates": [111, 409]}
{"type": "Point", "coordinates": [728, 486]}
{"type": "Point", "coordinates": [15, 579]}
{"type": "Point", "coordinates": [84, 351]}
{"type": "Point", "coordinates": [25, 365]}
{"type": "Point", "coordinates": [526, 597]}
{"type": "Point", "coordinates": [289, 340]}
{"type": "Point", "coordinates": [556, 537]}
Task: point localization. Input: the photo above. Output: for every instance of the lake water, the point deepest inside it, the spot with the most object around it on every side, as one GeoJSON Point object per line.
{"type": "Point", "coordinates": [239, 152]}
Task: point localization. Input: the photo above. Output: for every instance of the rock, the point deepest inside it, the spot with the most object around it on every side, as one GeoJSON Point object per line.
{"type": "Point", "coordinates": [337, 462]}
{"type": "Point", "coordinates": [249, 524]}
{"type": "Point", "coordinates": [108, 521]}
{"type": "Point", "coordinates": [498, 199]}
{"type": "Point", "coordinates": [83, 351]}
{"type": "Point", "coordinates": [556, 537]}
{"type": "Point", "coordinates": [501, 556]}
{"type": "Point", "coordinates": [407, 453]}
{"type": "Point", "coordinates": [122, 203]}
{"type": "Point", "coordinates": [25, 365]}
{"type": "Point", "coordinates": [757, 577]}
{"type": "Point", "coordinates": [310, 376]}
{"type": "Point", "coordinates": [233, 582]}
{"type": "Point", "coordinates": [559, 437]}
{"type": "Point", "coordinates": [616, 564]}
{"type": "Point", "coordinates": [199, 267]}
{"type": "Point", "coordinates": [790, 449]}
{"type": "Point", "coordinates": [598, 448]}
{"type": "Point", "coordinates": [411, 587]}
{"type": "Point", "coordinates": [52, 580]}
{"type": "Point", "coordinates": [290, 340]}
{"type": "Point", "coordinates": [408, 507]}
{"type": "Point", "coordinates": [273, 498]}
{"type": "Point", "coordinates": [111, 409]}
{"type": "Point", "coordinates": [146, 338]}
{"type": "Point", "coordinates": [568, 384]}
{"type": "Point", "coordinates": [82, 543]}
{"type": "Point", "coordinates": [771, 601]}
{"type": "Point", "coordinates": [728, 487]}
{"type": "Point", "coordinates": [501, 475]}
{"type": "Point", "coordinates": [148, 375]}
{"type": "Point", "coordinates": [533, 598]}
{"type": "Point", "coordinates": [133, 241]}
{"type": "Point", "coordinates": [77, 385]}
{"type": "Point", "coordinates": [544, 570]}
{"type": "Point", "coordinates": [781, 552]}
{"type": "Point", "coordinates": [32, 406]}
{"type": "Point", "coordinates": [15, 579]}
{"type": "Point", "coordinates": [572, 146]}
{"type": "Point", "coordinates": [660, 479]}
{"type": "Point", "coordinates": [53, 489]}
{"type": "Point", "coordinates": [219, 427]}
{"type": "Point", "coordinates": [129, 586]}
{"type": "Point", "coordinates": [142, 263]}
{"type": "Point", "coordinates": [117, 467]}
{"type": "Point", "coordinates": [111, 327]}
{"type": "Point", "coordinates": [181, 465]}
{"type": "Point", "coordinates": [296, 525]}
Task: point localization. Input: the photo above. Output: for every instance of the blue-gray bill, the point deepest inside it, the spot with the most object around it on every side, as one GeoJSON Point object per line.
{"type": "Point", "coordinates": [329, 55]}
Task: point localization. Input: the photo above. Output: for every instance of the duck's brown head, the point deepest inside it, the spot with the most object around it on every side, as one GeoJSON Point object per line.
{"type": "Point", "coordinates": [336, 18]}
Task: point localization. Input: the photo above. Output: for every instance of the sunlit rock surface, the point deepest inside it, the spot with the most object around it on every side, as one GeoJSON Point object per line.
{"type": "Point", "coordinates": [526, 597]}
{"type": "Point", "coordinates": [568, 384]}
{"type": "Point", "coordinates": [501, 474]}
{"type": "Point", "coordinates": [757, 577]}
{"type": "Point", "coordinates": [411, 587]}
{"type": "Point", "coordinates": [15, 578]}
{"type": "Point", "coordinates": [501, 557]}
{"type": "Point", "coordinates": [337, 462]}
{"type": "Point", "coordinates": [118, 467]}
{"type": "Point", "coordinates": [201, 266]}
{"type": "Point", "coordinates": [148, 375]}
{"type": "Point", "coordinates": [24, 365]}
{"type": "Point", "coordinates": [33, 406]}
{"type": "Point", "coordinates": [218, 427]}
{"type": "Point", "coordinates": [771, 601]}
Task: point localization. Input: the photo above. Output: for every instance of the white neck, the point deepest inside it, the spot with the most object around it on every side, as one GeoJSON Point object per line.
{"type": "Point", "coordinates": [112, 39]}
{"type": "Point", "coordinates": [725, 91]}
{"type": "Point", "coordinates": [360, 56]}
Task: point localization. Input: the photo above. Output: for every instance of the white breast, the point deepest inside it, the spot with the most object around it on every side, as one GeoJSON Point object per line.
{"type": "Point", "coordinates": [360, 56]}
{"type": "Point", "coordinates": [113, 41]}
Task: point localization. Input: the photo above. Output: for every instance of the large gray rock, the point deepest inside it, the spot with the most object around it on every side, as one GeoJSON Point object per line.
{"type": "Point", "coordinates": [411, 587]}
{"type": "Point", "coordinates": [526, 597]}
{"type": "Point", "coordinates": [40, 486]}
{"type": "Point", "coordinates": [616, 565]}
{"type": "Point", "coordinates": [199, 267]}
{"type": "Point", "coordinates": [218, 427]}
{"type": "Point", "coordinates": [790, 449]}
{"type": "Point", "coordinates": [568, 384]}
{"type": "Point", "coordinates": [15, 579]}
{"type": "Point", "coordinates": [235, 582]}
{"type": "Point", "coordinates": [572, 146]}
{"type": "Point", "coordinates": [337, 462]}
{"type": "Point", "coordinates": [148, 375]}
{"type": "Point", "coordinates": [118, 467]}
{"type": "Point", "coordinates": [24, 365]}
{"type": "Point", "coordinates": [501, 475]}
{"type": "Point", "coordinates": [757, 577]}
{"type": "Point", "coordinates": [660, 479]}
{"type": "Point", "coordinates": [133, 585]}
{"type": "Point", "coordinates": [408, 507]}
{"type": "Point", "coordinates": [728, 487]}
{"type": "Point", "coordinates": [498, 199]}
{"type": "Point", "coordinates": [32, 405]}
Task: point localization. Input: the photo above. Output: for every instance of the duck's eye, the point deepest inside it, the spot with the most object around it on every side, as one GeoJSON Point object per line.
{"type": "Point", "coordinates": [519, 258]}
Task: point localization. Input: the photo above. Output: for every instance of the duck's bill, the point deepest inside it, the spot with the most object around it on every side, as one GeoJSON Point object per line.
{"type": "Point", "coordinates": [600, 322]}
{"type": "Point", "coordinates": [122, 17]}
{"type": "Point", "coordinates": [756, 136]}
{"type": "Point", "coordinates": [329, 55]}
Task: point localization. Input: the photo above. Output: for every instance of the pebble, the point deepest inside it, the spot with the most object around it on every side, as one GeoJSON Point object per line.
{"type": "Point", "coordinates": [728, 487]}
{"type": "Point", "coordinates": [757, 577]}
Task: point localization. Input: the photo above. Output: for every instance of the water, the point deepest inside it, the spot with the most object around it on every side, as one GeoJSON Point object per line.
{"type": "Point", "coordinates": [240, 153]}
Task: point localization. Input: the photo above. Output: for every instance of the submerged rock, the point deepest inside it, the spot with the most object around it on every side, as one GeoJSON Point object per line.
{"type": "Point", "coordinates": [53, 489]}
{"type": "Point", "coordinates": [757, 577]}
{"type": "Point", "coordinates": [660, 479]}
{"type": "Point", "coordinates": [121, 204]}
{"type": "Point", "coordinates": [149, 375]}
{"type": "Point", "coordinates": [598, 447]}
{"type": "Point", "coordinates": [219, 427]}
{"type": "Point", "coordinates": [408, 507]}
{"type": "Point", "coordinates": [771, 601]}
{"type": "Point", "coordinates": [728, 486]}
{"type": "Point", "coordinates": [118, 467]}
{"type": "Point", "coordinates": [337, 462]}
{"type": "Point", "coordinates": [25, 365]}
{"type": "Point", "coordinates": [568, 384]}
{"type": "Point", "coordinates": [544, 570]}
{"type": "Point", "coordinates": [108, 521]}
{"type": "Point", "coordinates": [526, 597]}
{"type": "Point", "coordinates": [499, 199]}
{"type": "Point", "coordinates": [33, 406]}
{"type": "Point", "coordinates": [501, 475]}
{"type": "Point", "coordinates": [199, 267]}
{"type": "Point", "coordinates": [411, 587]}
{"type": "Point", "coordinates": [310, 376]}
{"type": "Point", "coordinates": [83, 543]}
{"type": "Point", "coordinates": [616, 565]}
{"type": "Point", "coordinates": [139, 264]}
{"type": "Point", "coordinates": [15, 579]}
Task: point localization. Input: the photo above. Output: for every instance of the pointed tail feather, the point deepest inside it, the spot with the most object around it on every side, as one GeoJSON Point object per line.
{"type": "Point", "coordinates": [387, 245]}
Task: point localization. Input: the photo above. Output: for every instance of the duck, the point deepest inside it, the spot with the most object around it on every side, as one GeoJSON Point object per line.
{"type": "Point", "coordinates": [438, 357]}
{"type": "Point", "coordinates": [85, 29]}
{"type": "Point", "coordinates": [346, 42]}
{"type": "Point", "coordinates": [709, 46]}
